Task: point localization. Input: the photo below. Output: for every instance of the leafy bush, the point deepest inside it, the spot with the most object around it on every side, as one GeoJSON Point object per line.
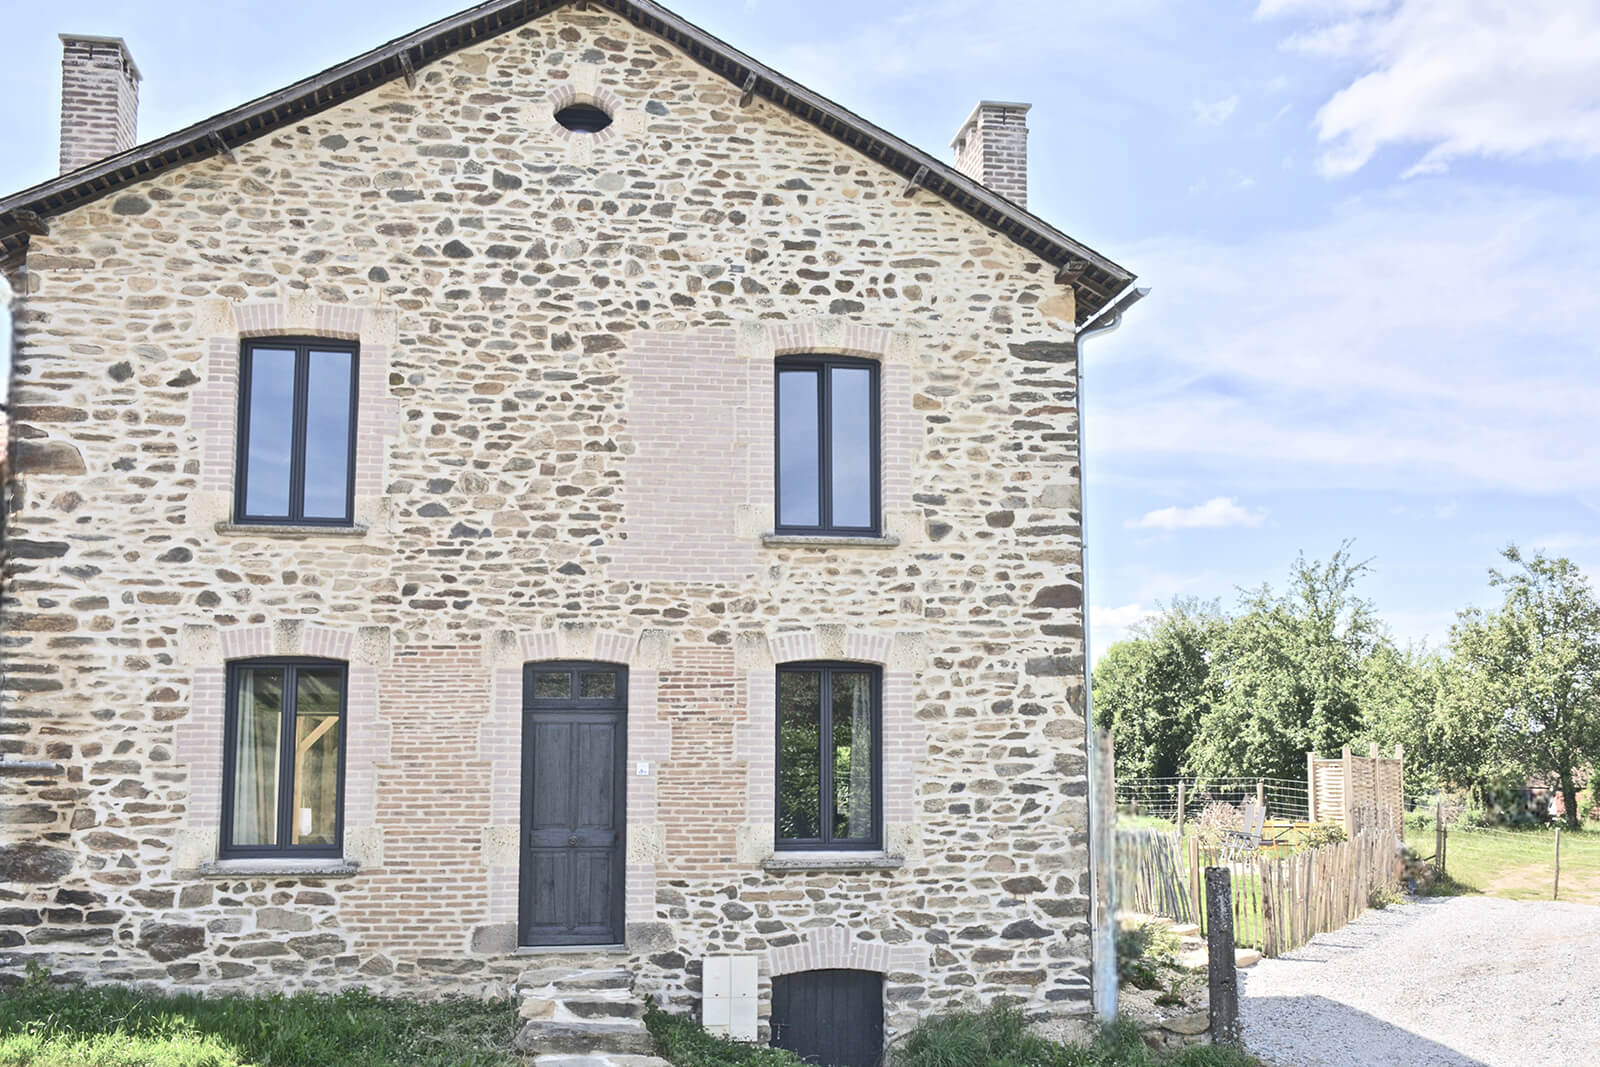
{"type": "Point", "coordinates": [1001, 1038]}
{"type": "Point", "coordinates": [43, 1024]}
{"type": "Point", "coordinates": [686, 1043]}
{"type": "Point", "coordinates": [1382, 897]}
{"type": "Point", "coordinates": [1143, 950]}
{"type": "Point", "coordinates": [1323, 833]}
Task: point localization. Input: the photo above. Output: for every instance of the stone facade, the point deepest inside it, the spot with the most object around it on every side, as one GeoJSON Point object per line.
{"type": "Point", "coordinates": [564, 451]}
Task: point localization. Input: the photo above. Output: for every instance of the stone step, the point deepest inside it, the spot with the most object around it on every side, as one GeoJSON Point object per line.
{"type": "Point", "coordinates": [591, 1007]}
{"type": "Point", "coordinates": [548, 1038]}
{"type": "Point", "coordinates": [576, 979]}
{"type": "Point", "coordinates": [599, 1060]}
{"type": "Point", "coordinates": [1200, 958]}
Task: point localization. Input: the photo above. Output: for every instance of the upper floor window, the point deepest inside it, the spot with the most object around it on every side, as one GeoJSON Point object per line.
{"type": "Point", "coordinates": [829, 765]}
{"type": "Point", "coordinates": [283, 758]}
{"type": "Point", "coordinates": [297, 422]}
{"type": "Point", "coordinates": [827, 446]}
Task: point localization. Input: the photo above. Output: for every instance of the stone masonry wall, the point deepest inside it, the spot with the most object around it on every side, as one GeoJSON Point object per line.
{"type": "Point", "coordinates": [564, 452]}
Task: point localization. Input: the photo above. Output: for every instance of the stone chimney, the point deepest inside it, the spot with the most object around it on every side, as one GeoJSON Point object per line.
{"type": "Point", "coordinates": [992, 148]}
{"type": "Point", "coordinates": [99, 99]}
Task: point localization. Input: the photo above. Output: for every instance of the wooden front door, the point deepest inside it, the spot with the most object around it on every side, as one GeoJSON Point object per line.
{"type": "Point", "coordinates": [574, 749]}
{"type": "Point", "coordinates": [829, 1018]}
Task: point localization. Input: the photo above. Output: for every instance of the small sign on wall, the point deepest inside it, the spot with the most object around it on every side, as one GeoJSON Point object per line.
{"type": "Point", "coordinates": [728, 996]}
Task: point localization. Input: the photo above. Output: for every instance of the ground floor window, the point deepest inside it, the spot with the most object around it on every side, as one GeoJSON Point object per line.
{"type": "Point", "coordinates": [283, 758]}
{"type": "Point", "coordinates": [828, 756]}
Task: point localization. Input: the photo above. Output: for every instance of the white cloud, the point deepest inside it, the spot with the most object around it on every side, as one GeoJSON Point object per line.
{"type": "Point", "coordinates": [1214, 112]}
{"type": "Point", "coordinates": [1490, 78]}
{"type": "Point", "coordinates": [1107, 626]}
{"type": "Point", "coordinates": [1558, 544]}
{"type": "Point", "coordinates": [1216, 513]}
{"type": "Point", "coordinates": [1120, 617]}
{"type": "Point", "coordinates": [1435, 335]}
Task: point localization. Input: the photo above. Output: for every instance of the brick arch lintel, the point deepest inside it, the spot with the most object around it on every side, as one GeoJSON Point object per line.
{"type": "Point", "coordinates": [761, 339]}
{"type": "Point", "coordinates": [829, 948]}
{"type": "Point", "coordinates": [894, 650]}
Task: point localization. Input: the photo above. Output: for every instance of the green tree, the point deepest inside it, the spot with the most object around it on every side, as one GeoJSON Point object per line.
{"type": "Point", "coordinates": [1290, 671]}
{"type": "Point", "coordinates": [1151, 690]}
{"type": "Point", "coordinates": [1398, 693]}
{"type": "Point", "coordinates": [1522, 695]}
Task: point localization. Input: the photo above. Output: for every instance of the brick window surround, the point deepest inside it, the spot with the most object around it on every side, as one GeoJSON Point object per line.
{"type": "Point", "coordinates": [700, 513]}
{"type": "Point", "coordinates": [214, 415]}
{"type": "Point", "coordinates": [197, 739]}
{"type": "Point", "coordinates": [900, 656]}
{"type": "Point", "coordinates": [500, 745]}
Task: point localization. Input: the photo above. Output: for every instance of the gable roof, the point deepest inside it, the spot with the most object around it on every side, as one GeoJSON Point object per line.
{"type": "Point", "coordinates": [1096, 278]}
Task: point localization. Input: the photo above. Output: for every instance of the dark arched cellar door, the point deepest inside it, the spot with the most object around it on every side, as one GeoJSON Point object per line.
{"type": "Point", "coordinates": [829, 1018]}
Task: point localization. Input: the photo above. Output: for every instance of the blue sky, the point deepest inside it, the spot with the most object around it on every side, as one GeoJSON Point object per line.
{"type": "Point", "coordinates": [1369, 226]}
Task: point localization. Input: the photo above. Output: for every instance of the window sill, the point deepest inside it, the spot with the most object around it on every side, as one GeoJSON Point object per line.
{"type": "Point", "coordinates": [784, 862]}
{"type": "Point", "coordinates": [308, 868]}
{"type": "Point", "coordinates": [784, 540]}
{"type": "Point", "coordinates": [264, 529]}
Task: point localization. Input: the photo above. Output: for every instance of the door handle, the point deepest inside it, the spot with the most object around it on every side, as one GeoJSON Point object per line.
{"type": "Point", "coordinates": [572, 841]}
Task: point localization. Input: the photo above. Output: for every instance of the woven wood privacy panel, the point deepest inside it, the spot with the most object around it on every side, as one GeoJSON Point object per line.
{"type": "Point", "coordinates": [1340, 788]}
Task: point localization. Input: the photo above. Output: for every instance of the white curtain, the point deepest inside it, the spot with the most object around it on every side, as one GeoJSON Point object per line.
{"type": "Point", "coordinates": [255, 792]}
{"type": "Point", "coordinates": [861, 756]}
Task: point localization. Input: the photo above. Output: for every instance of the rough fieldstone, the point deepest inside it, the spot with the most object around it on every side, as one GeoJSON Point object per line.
{"type": "Point", "coordinates": [171, 941]}
{"type": "Point", "coordinates": [37, 864]}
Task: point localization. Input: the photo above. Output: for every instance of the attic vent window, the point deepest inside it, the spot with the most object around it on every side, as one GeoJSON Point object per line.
{"type": "Point", "coordinates": [583, 118]}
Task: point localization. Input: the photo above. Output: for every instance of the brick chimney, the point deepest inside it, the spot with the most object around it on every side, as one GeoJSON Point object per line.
{"type": "Point", "coordinates": [99, 99]}
{"type": "Point", "coordinates": [992, 148]}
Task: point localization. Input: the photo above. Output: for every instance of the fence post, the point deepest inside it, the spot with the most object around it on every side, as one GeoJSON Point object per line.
{"type": "Point", "coordinates": [1311, 787]}
{"type": "Point", "coordinates": [1349, 789]}
{"type": "Point", "coordinates": [1556, 895]}
{"type": "Point", "coordinates": [1223, 975]}
{"type": "Point", "coordinates": [1102, 867]}
{"type": "Point", "coordinates": [1183, 791]}
{"type": "Point", "coordinates": [1261, 795]}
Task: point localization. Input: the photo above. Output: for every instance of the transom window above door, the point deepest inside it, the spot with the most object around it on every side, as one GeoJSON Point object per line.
{"type": "Point", "coordinates": [296, 431]}
{"type": "Point", "coordinates": [827, 446]}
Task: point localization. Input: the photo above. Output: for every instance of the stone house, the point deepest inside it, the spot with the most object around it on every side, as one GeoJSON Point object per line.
{"type": "Point", "coordinates": [552, 505]}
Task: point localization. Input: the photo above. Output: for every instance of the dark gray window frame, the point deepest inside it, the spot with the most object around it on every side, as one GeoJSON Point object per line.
{"type": "Point", "coordinates": [226, 848]}
{"type": "Point", "coordinates": [827, 842]}
{"type": "Point", "coordinates": [822, 365]}
{"type": "Point", "coordinates": [302, 347]}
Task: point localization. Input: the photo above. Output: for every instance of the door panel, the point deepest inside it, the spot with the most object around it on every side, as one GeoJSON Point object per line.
{"type": "Point", "coordinates": [831, 1018]}
{"type": "Point", "coordinates": [573, 817]}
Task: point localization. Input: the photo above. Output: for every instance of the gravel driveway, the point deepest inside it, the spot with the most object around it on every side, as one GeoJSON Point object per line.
{"type": "Point", "coordinates": [1443, 982]}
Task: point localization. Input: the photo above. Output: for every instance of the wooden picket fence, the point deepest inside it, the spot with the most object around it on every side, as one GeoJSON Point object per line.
{"type": "Point", "coordinates": [1151, 876]}
{"type": "Point", "coordinates": [1280, 901]}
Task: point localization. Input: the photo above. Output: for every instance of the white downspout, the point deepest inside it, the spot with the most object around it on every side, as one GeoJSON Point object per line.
{"type": "Point", "coordinates": [1101, 797]}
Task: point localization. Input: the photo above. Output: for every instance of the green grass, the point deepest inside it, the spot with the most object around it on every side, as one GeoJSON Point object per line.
{"type": "Point", "coordinates": [45, 1025]}
{"type": "Point", "coordinates": [1517, 864]}
{"type": "Point", "coordinates": [995, 1038]}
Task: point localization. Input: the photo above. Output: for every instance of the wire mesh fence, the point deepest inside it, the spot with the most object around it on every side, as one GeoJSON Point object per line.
{"type": "Point", "coordinates": [1285, 798]}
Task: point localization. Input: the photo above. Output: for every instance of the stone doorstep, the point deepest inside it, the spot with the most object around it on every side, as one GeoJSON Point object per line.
{"type": "Point", "coordinates": [1197, 959]}
{"type": "Point", "coordinates": [545, 1037]}
{"type": "Point", "coordinates": [582, 1013]}
{"type": "Point", "coordinates": [599, 1061]}
{"type": "Point", "coordinates": [576, 979]}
